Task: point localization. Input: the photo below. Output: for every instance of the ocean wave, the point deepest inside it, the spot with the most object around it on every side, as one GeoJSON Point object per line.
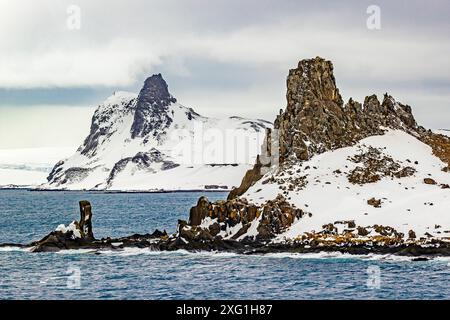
{"type": "Point", "coordinates": [181, 252]}
{"type": "Point", "coordinates": [340, 255]}
{"type": "Point", "coordinates": [76, 251]}
{"type": "Point", "coordinates": [126, 252]}
{"type": "Point", "coordinates": [12, 248]}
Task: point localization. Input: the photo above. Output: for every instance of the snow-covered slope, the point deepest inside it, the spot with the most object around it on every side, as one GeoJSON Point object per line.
{"type": "Point", "coordinates": [28, 167]}
{"type": "Point", "coordinates": [151, 142]}
{"type": "Point", "coordinates": [407, 203]}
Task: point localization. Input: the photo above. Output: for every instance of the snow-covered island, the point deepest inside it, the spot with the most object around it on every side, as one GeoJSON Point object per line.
{"type": "Point", "coordinates": [354, 177]}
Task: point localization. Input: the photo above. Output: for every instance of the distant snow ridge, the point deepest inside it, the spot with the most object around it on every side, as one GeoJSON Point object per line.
{"type": "Point", "coordinates": [445, 132]}
{"type": "Point", "coordinates": [151, 142]}
{"type": "Point", "coordinates": [28, 168]}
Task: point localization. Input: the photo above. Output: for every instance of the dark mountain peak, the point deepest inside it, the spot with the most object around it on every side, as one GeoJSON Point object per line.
{"type": "Point", "coordinates": [155, 92]}
{"type": "Point", "coordinates": [152, 106]}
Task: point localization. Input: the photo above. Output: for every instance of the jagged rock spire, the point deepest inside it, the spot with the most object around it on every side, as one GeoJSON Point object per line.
{"type": "Point", "coordinates": [151, 107]}
{"type": "Point", "coordinates": [310, 82]}
{"type": "Point", "coordinates": [315, 119]}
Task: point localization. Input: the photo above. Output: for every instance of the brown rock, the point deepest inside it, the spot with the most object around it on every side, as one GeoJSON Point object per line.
{"type": "Point", "coordinates": [58, 240]}
{"type": "Point", "coordinates": [214, 229]}
{"type": "Point", "coordinates": [204, 235]}
{"type": "Point", "coordinates": [241, 231]}
{"type": "Point", "coordinates": [187, 234]}
{"type": "Point", "coordinates": [251, 213]}
{"type": "Point", "coordinates": [351, 224]}
{"type": "Point", "coordinates": [249, 179]}
{"type": "Point", "coordinates": [374, 202]}
{"type": "Point", "coordinates": [329, 228]}
{"type": "Point", "coordinates": [86, 219]}
{"type": "Point", "coordinates": [199, 212]}
{"type": "Point", "coordinates": [362, 231]}
{"type": "Point", "coordinates": [429, 181]}
{"type": "Point", "coordinates": [440, 145]}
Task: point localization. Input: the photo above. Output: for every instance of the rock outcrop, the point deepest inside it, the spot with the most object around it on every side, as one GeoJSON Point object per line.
{"type": "Point", "coordinates": [269, 219]}
{"type": "Point", "coordinates": [316, 120]}
{"type": "Point", "coordinates": [77, 234]}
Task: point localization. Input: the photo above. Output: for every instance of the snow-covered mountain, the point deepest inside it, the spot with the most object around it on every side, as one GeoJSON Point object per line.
{"type": "Point", "coordinates": [339, 174]}
{"type": "Point", "coordinates": [151, 142]}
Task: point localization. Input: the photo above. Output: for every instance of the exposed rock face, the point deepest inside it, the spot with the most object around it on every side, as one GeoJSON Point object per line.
{"type": "Point", "coordinates": [374, 202]}
{"type": "Point", "coordinates": [103, 122]}
{"type": "Point", "coordinates": [256, 173]}
{"type": "Point", "coordinates": [373, 166]}
{"type": "Point", "coordinates": [71, 175]}
{"type": "Point", "coordinates": [152, 104]}
{"type": "Point", "coordinates": [316, 120]}
{"type": "Point", "coordinates": [199, 212]}
{"type": "Point", "coordinates": [429, 181]}
{"type": "Point", "coordinates": [271, 219]}
{"type": "Point", "coordinates": [141, 161]}
{"type": "Point", "coordinates": [250, 177]}
{"type": "Point", "coordinates": [440, 145]}
{"type": "Point", "coordinates": [86, 220]}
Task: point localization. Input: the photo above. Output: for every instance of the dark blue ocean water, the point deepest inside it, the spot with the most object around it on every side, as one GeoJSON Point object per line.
{"type": "Point", "coordinates": [142, 274]}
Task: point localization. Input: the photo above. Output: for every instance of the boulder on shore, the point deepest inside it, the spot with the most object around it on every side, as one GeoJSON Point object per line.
{"type": "Point", "coordinates": [74, 236]}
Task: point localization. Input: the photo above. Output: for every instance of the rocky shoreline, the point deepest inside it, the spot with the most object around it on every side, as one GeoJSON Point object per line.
{"type": "Point", "coordinates": [190, 236]}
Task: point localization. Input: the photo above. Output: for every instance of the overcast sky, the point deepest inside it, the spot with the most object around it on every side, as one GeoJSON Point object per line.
{"type": "Point", "coordinates": [222, 58]}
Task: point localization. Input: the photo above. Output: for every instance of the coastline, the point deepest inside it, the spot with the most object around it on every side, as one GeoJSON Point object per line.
{"type": "Point", "coordinates": [246, 248]}
{"type": "Point", "coordinates": [118, 191]}
{"type": "Point", "coordinates": [193, 237]}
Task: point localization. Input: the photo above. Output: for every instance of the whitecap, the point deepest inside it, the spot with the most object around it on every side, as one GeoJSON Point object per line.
{"type": "Point", "coordinates": [12, 248]}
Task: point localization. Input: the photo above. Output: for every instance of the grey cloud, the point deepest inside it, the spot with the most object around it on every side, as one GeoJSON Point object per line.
{"type": "Point", "coordinates": [226, 57]}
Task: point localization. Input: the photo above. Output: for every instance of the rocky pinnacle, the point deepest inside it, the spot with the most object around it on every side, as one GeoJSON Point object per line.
{"type": "Point", "coordinates": [151, 107]}
{"type": "Point", "coordinates": [316, 119]}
